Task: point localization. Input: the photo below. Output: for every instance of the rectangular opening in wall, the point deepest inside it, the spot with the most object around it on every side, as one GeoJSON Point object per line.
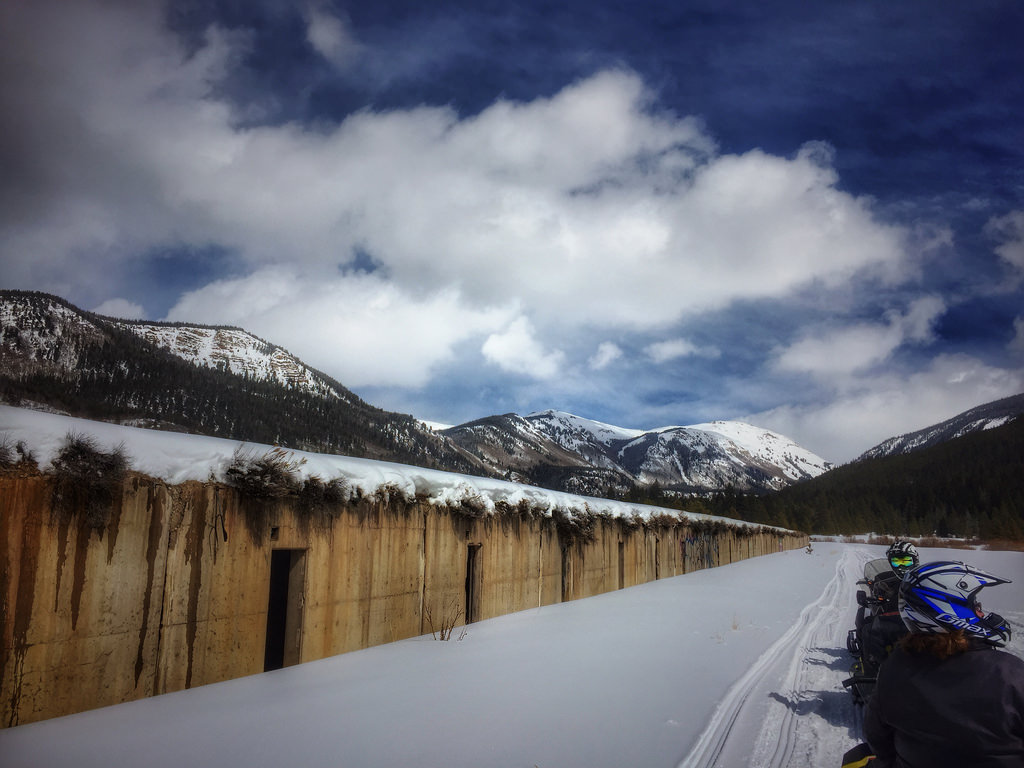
{"type": "Point", "coordinates": [622, 564]}
{"type": "Point", "coordinates": [284, 608]}
{"type": "Point", "coordinates": [472, 582]}
{"type": "Point", "coordinates": [565, 573]}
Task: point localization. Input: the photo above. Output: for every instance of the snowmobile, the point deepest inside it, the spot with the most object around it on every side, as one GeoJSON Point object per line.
{"type": "Point", "coordinates": [858, 757]}
{"type": "Point", "coordinates": [877, 627]}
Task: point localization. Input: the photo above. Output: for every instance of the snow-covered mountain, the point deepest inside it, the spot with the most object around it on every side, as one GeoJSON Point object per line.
{"type": "Point", "coordinates": [237, 351]}
{"type": "Point", "coordinates": [41, 334]}
{"type": "Point", "coordinates": [217, 381]}
{"type": "Point", "coordinates": [44, 331]}
{"type": "Point", "coordinates": [987, 416]}
{"type": "Point", "coordinates": [224, 381]}
{"type": "Point", "coordinates": [699, 458]}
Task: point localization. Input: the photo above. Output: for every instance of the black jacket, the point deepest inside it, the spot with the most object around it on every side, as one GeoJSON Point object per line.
{"type": "Point", "coordinates": [967, 710]}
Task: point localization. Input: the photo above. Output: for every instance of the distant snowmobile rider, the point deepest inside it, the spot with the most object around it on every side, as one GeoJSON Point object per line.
{"type": "Point", "coordinates": [902, 557]}
{"type": "Point", "coordinates": [946, 696]}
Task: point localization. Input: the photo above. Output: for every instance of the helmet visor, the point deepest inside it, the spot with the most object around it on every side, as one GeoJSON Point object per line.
{"type": "Point", "coordinates": [901, 561]}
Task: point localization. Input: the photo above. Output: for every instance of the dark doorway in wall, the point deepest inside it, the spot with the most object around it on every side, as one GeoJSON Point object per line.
{"type": "Point", "coordinates": [622, 565]}
{"type": "Point", "coordinates": [566, 573]}
{"type": "Point", "coordinates": [284, 608]}
{"type": "Point", "coordinates": [472, 583]}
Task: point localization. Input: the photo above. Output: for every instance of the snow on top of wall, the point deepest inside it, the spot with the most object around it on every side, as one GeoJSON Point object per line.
{"type": "Point", "coordinates": [176, 458]}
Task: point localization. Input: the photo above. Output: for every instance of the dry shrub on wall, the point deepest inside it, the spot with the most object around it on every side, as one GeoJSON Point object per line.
{"type": "Point", "coordinates": [87, 479]}
{"type": "Point", "coordinates": [266, 479]}
{"type": "Point", "coordinates": [631, 522]}
{"type": "Point", "coordinates": [16, 455]}
{"type": "Point", "coordinates": [663, 520]}
{"type": "Point", "coordinates": [579, 526]}
{"type": "Point", "coordinates": [320, 503]}
{"type": "Point", "coordinates": [262, 480]}
{"type": "Point", "coordinates": [473, 506]}
{"type": "Point", "coordinates": [717, 527]}
{"type": "Point", "coordinates": [272, 475]}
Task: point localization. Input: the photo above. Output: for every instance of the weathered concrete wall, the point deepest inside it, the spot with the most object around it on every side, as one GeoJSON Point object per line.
{"type": "Point", "coordinates": [76, 603]}
{"type": "Point", "coordinates": [176, 590]}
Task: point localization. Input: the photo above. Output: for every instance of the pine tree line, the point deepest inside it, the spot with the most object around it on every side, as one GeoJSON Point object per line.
{"type": "Point", "coordinates": [970, 487]}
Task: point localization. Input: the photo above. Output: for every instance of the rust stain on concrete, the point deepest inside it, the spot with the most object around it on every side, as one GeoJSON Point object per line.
{"type": "Point", "coordinates": [194, 558]}
{"type": "Point", "coordinates": [154, 507]}
{"type": "Point", "coordinates": [30, 536]}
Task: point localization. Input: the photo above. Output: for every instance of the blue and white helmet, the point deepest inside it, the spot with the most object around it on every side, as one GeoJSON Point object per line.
{"type": "Point", "coordinates": [943, 597]}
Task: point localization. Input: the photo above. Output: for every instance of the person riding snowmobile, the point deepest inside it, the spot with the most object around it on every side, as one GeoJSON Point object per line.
{"type": "Point", "coordinates": [878, 625]}
{"type": "Point", "coordinates": [880, 634]}
{"type": "Point", "coordinates": [883, 575]}
{"type": "Point", "coordinates": [947, 696]}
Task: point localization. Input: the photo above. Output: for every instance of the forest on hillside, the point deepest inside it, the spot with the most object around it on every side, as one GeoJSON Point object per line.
{"type": "Point", "coordinates": [970, 487]}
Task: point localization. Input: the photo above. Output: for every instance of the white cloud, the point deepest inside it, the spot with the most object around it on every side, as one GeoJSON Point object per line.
{"type": "Point", "coordinates": [840, 352]}
{"type": "Point", "coordinates": [121, 308]}
{"type": "Point", "coordinates": [874, 408]}
{"type": "Point", "coordinates": [1009, 230]}
{"type": "Point", "coordinates": [357, 328]}
{"type": "Point", "coordinates": [607, 353]}
{"type": "Point", "coordinates": [590, 207]}
{"type": "Point", "coordinates": [516, 350]}
{"type": "Point", "coordinates": [330, 35]}
{"type": "Point", "coordinates": [1016, 345]}
{"type": "Point", "coordinates": [671, 349]}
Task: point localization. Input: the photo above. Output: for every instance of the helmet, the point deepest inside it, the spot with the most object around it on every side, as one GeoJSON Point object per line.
{"type": "Point", "coordinates": [902, 556]}
{"type": "Point", "coordinates": [943, 597]}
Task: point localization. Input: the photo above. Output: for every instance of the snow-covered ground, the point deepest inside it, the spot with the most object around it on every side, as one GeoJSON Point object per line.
{"type": "Point", "coordinates": [734, 666]}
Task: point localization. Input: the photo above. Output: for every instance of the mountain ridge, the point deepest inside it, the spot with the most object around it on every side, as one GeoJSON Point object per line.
{"type": "Point", "coordinates": [980, 417]}
{"type": "Point", "coordinates": [225, 381]}
{"type": "Point", "coordinates": [691, 459]}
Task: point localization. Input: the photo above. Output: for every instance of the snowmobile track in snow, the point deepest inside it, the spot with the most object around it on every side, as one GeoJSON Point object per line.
{"type": "Point", "coordinates": [790, 680]}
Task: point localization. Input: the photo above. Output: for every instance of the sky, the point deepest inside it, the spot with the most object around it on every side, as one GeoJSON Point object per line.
{"type": "Point", "coordinates": [809, 217]}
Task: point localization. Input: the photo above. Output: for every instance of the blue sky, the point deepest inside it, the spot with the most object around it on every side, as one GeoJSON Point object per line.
{"type": "Point", "coordinates": [809, 216]}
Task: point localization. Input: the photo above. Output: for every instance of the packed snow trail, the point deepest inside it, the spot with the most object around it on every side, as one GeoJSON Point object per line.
{"type": "Point", "coordinates": [794, 690]}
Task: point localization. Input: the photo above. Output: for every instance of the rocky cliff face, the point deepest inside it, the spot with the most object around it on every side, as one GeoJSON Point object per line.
{"type": "Point", "coordinates": [235, 351]}
{"type": "Point", "coordinates": [40, 334]}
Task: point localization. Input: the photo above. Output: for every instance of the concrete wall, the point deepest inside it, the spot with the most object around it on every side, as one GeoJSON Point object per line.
{"type": "Point", "coordinates": [176, 590]}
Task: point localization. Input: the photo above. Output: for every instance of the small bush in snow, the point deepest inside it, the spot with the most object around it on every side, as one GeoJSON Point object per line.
{"type": "Point", "coordinates": [663, 520]}
{"type": "Point", "coordinates": [320, 502]}
{"type": "Point", "coordinates": [26, 456]}
{"type": "Point", "coordinates": [581, 525]}
{"type": "Point", "coordinates": [88, 479]}
{"type": "Point", "coordinates": [273, 475]}
{"type": "Point", "coordinates": [450, 615]}
{"type": "Point", "coordinates": [16, 454]}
